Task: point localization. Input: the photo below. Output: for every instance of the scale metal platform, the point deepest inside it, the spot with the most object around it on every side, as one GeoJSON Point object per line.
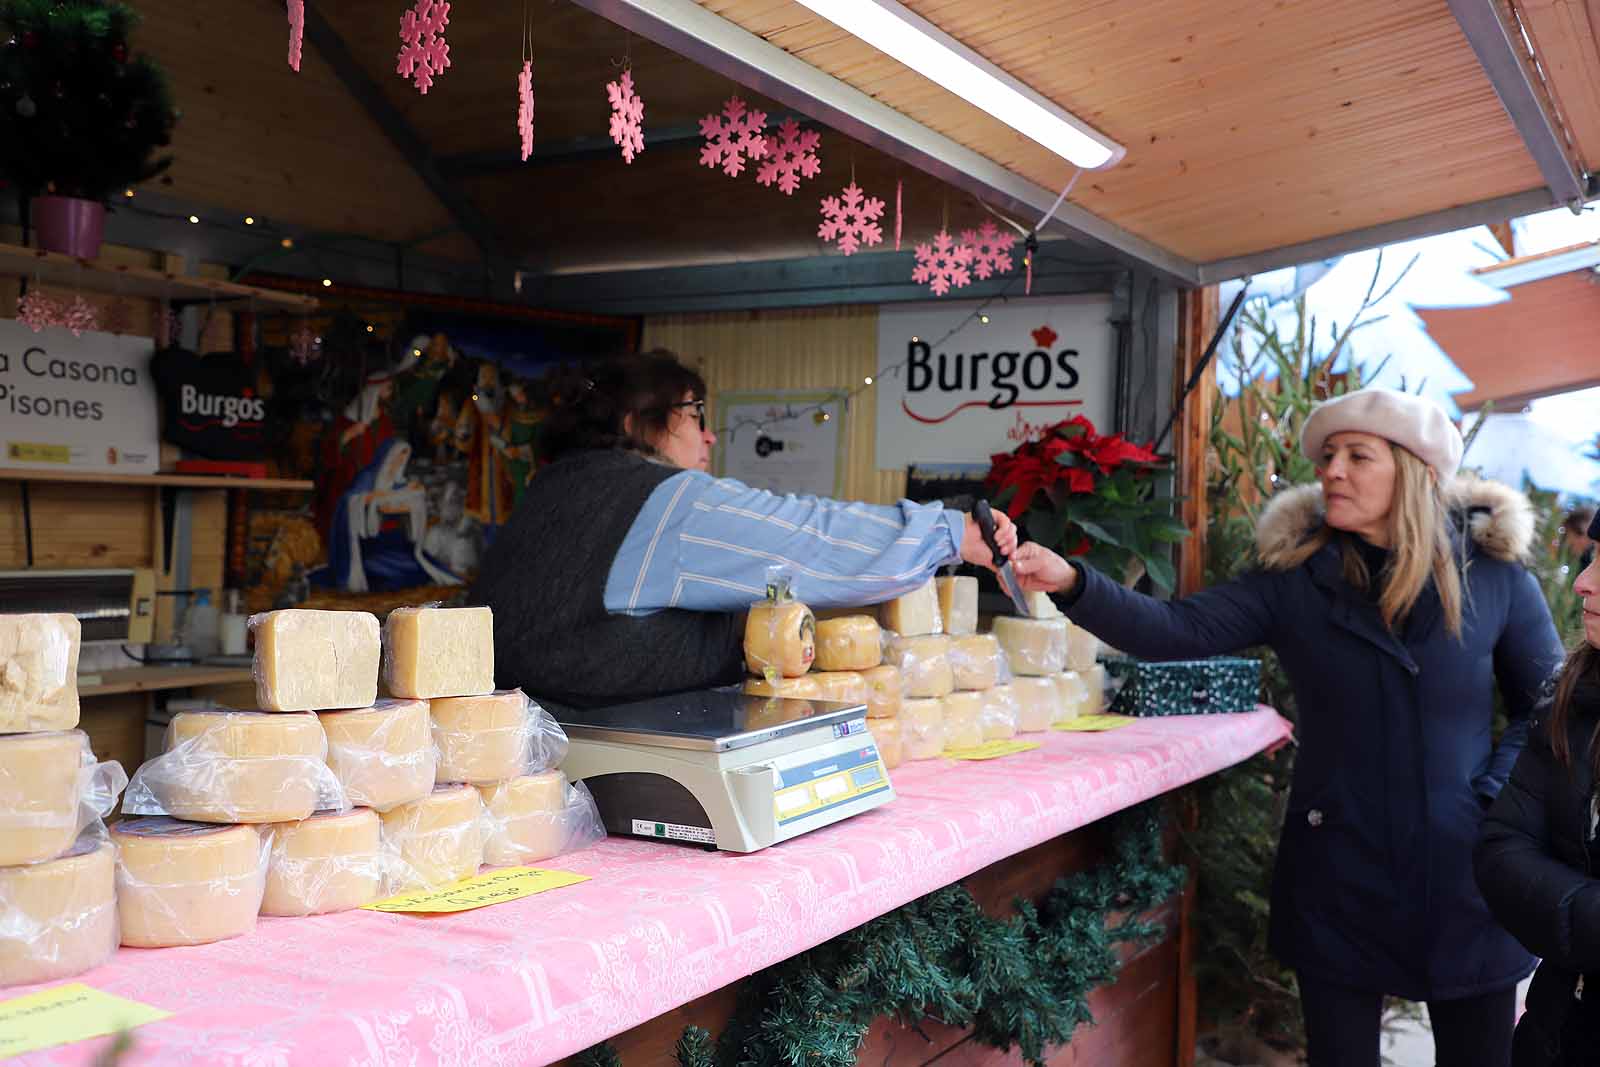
{"type": "Point", "coordinates": [723, 769]}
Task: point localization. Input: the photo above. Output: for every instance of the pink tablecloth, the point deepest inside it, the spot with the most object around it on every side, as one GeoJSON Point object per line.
{"type": "Point", "coordinates": [533, 980]}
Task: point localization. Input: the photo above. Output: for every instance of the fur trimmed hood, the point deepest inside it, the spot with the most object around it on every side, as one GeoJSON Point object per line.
{"type": "Point", "coordinates": [1499, 518]}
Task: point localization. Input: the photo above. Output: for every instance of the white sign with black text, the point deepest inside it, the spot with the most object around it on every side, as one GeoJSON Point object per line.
{"type": "Point", "coordinates": [988, 387]}
{"type": "Point", "coordinates": [76, 403]}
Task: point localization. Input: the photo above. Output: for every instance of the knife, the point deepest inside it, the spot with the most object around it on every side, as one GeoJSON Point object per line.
{"type": "Point", "coordinates": [1008, 576]}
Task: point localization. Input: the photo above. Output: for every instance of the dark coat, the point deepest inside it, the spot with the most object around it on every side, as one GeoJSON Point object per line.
{"type": "Point", "coordinates": [1373, 887]}
{"type": "Point", "coordinates": [1534, 870]}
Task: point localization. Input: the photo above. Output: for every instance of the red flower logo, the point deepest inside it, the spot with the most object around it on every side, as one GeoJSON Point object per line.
{"type": "Point", "coordinates": [1044, 337]}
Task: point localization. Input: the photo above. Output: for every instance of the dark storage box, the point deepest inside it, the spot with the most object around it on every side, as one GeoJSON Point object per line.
{"type": "Point", "coordinates": [1184, 687]}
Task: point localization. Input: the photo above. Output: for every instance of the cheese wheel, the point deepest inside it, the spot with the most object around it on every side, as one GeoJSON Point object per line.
{"type": "Point", "coordinates": [1082, 648]}
{"type": "Point", "coordinates": [60, 917]}
{"type": "Point", "coordinates": [437, 839]}
{"type": "Point", "coordinates": [1038, 701]}
{"type": "Point", "coordinates": [1074, 693]}
{"type": "Point", "coordinates": [438, 652]}
{"type": "Point", "coordinates": [843, 687]}
{"type": "Point", "coordinates": [958, 604]}
{"type": "Point", "coordinates": [40, 782]}
{"type": "Point", "coordinates": [805, 687]}
{"type": "Point", "coordinates": [1095, 679]}
{"type": "Point", "coordinates": [382, 755]}
{"type": "Point", "coordinates": [482, 738]}
{"type": "Point", "coordinates": [915, 614]}
{"type": "Point", "coordinates": [887, 735]}
{"type": "Point", "coordinates": [38, 672]}
{"type": "Point", "coordinates": [999, 716]}
{"type": "Point", "coordinates": [922, 727]}
{"type": "Point", "coordinates": [316, 660]}
{"type": "Point", "coordinates": [528, 819]}
{"type": "Point", "coordinates": [852, 643]}
{"type": "Point", "coordinates": [924, 664]}
{"type": "Point", "coordinates": [781, 637]}
{"type": "Point", "coordinates": [977, 662]}
{"type": "Point", "coordinates": [1041, 606]}
{"type": "Point", "coordinates": [883, 692]}
{"type": "Point", "coordinates": [329, 862]}
{"type": "Point", "coordinates": [240, 766]}
{"type": "Point", "coordinates": [184, 883]}
{"type": "Point", "coordinates": [1033, 647]}
{"type": "Point", "coordinates": [963, 719]}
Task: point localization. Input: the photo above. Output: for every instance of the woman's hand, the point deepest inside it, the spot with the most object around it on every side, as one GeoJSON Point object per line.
{"type": "Point", "coordinates": [1041, 570]}
{"type": "Point", "coordinates": [975, 550]}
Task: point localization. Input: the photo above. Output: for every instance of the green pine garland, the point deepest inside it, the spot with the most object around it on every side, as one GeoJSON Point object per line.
{"type": "Point", "coordinates": [1022, 981]}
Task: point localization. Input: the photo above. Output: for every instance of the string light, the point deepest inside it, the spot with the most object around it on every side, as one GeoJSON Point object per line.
{"type": "Point", "coordinates": [984, 319]}
{"type": "Point", "coordinates": [249, 220]}
{"type": "Point", "coordinates": [194, 219]}
{"type": "Point", "coordinates": [128, 193]}
{"type": "Point", "coordinates": [327, 283]}
{"type": "Point", "coordinates": [867, 380]}
{"type": "Point", "coordinates": [369, 327]}
{"type": "Point", "coordinates": [286, 243]}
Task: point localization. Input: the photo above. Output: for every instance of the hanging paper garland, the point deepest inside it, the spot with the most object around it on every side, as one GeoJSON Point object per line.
{"type": "Point", "coordinates": [851, 220]}
{"type": "Point", "coordinates": [627, 116]}
{"type": "Point", "coordinates": [297, 30]}
{"type": "Point", "coordinates": [424, 53]}
{"type": "Point", "coordinates": [729, 144]}
{"type": "Point", "coordinates": [991, 251]}
{"type": "Point", "coordinates": [791, 154]}
{"type": "Point", "coordinates": [525, 108]}
{"type": "Point", "coordinates": [942, 265]}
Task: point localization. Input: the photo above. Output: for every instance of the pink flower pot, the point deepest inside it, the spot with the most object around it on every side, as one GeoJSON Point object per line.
{"type": "Point", "coordinates": [67, 224]}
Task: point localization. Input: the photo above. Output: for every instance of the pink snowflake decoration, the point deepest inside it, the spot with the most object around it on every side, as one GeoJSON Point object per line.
{"type": "Point", "coordinates": [627, 116]}
{"type": "Point", "coordinates": [730, 143]}
{"type": "Point", "coordinates": [851, 220]}
{"type": "Point", "coordinates": [36, 311]}
{"type": "Point", "coordinates": [991, 250]}
{"type": "Point", "coordinates": [525, 108]}
{"type": "Point", "coordinates": [942, 265]}
{"type": "Point", "coordinates": [789, 155]}
{"type": "Point", "coordinates": [80, 317]}
{"type": "Point", "coordinates": [297, 30]}
{"type": "Point", "coordinates": [424, 53]}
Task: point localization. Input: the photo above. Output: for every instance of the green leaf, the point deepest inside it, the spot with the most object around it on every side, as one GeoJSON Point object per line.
{"type": "Point", "coordinates": [1099, 533]}
{"type": "Point", "coordinates": [1161, 572]}
{"type": "Point", "coordinates": [1046, 527]}
{"type": "Point", "coordinates": [1168, 530]}
{"type": "Point", "coordinates": [1004, 496]}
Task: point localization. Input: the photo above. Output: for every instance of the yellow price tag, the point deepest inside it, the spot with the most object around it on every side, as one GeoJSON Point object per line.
{"type": "Point", "coordinates": [990, 750]}
{"type": "Point", "coordinates": [67, 1013]}
{"type": "Point", "coordinates": [1093, 724]}
{"type": "Point", "coordinates": [481, 890]}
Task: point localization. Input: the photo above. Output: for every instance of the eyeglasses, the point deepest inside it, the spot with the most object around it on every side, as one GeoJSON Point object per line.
{"type": "Point", "coordinates": [699, 407]}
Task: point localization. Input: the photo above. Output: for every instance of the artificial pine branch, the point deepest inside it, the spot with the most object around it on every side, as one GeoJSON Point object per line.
{"type": "Point", "coordinates": [696, 1049]}
{"type": "Point", "coordinates": [601, 1055]}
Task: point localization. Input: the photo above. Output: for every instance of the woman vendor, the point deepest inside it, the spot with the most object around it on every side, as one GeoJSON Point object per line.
{"type": "Point", "coordinates": [626, 569]}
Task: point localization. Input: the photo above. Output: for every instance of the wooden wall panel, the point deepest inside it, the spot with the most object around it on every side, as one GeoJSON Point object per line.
{"type": "Point", "coordinates": [801, 349]}
{"type": "Point", "coordinates": [76, 526]}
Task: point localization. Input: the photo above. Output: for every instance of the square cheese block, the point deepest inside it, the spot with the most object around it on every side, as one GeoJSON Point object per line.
{"type": "Point", "coordinates": [329, 862]}
{"type": "Point", "coordinates": [316, 660]}
{"type": "Point", "coordinates": [963, 719]}
{"type": "Point", "coordinates": [781, 638]}
{"type": "Point", "coordinates": [1074, 693]}
{"type": "Point", "coordinates": [60, 916]}
{"type": "Point", "coordinates": [1038, 702]}
{"type": "Point", "coordinates": [1082, 648]}
{"type": "Point", "coordinates": [1035, 647]}
{"type": "Point", "coordinates": [1000, 712]}
{"type": "Point", "coordinates": [843, 687]}
{"type": "Point", "coordinates": [183, 883]}
{"type": "Point", "coordinates": [886, 735]}
{"type": "Point", "coordinates": [1095, 680]}
{"type": "Point", "coordinates": [924, 664]}
{"type": "Point", "coordinates": [38, 672]}
{"type": "Point", "coordinates": [1040, 606]}
{"type": "Point", "coordinates": [883, 692]}
{"type": "Point", "coordinates": [958, 604]}
{"type": "Point", "coordinates": [977, 662]}
{"type": "Point", "coordinates": [851, 643]}
{"type": "Point", "coordinates": [438, 652]}
{"type": "Point", "coordinates": [922, 728]}
{"type": "Point", "coordinates": [914, 614]}
{"type": "Point", "coordinates": [41, 778]}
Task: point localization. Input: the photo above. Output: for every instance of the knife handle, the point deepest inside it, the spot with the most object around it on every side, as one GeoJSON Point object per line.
{"type": "Point", "coordinates": [985, 520]}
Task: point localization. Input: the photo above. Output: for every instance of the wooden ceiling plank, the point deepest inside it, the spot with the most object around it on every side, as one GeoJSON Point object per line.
{"type": "Point", "coordinates": [1563, 33]}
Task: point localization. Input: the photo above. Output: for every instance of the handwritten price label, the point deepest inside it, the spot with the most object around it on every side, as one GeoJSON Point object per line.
{"type": "Point", "coordinates": [481, 890]}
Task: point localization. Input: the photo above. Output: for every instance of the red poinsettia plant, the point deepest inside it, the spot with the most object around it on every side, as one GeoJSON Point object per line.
{"type": "Point", "coordinates": [1084, 494]}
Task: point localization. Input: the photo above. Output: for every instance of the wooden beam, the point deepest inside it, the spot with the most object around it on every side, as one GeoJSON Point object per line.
{"type": "Point", "coordinates": [1197, 319]}
{"type": "Point", "coordinates": [501, 161]}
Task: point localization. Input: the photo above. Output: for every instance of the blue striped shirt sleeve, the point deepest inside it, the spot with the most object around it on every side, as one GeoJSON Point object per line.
{"type": "Point", "coordinates": [704, 544]}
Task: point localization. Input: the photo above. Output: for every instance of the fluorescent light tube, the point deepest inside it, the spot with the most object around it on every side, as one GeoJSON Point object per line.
{"type": "Point", "coordinates": [908, 37]}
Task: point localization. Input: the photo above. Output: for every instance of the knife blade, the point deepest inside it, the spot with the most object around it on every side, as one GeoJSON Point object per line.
{"type": "Point", "coordinates": [1008, 576]}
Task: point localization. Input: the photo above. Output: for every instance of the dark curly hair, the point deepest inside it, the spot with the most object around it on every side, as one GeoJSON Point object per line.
{"type": "Point", "coordinates": [590, 403]}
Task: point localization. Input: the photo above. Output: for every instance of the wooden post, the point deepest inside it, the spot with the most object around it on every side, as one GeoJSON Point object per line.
{"type": "Point", "coordinates": [1197, 318]}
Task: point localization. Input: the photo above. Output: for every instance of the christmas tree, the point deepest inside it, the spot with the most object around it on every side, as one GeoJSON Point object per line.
{"type": "Point", "coordinates": [80, 115]}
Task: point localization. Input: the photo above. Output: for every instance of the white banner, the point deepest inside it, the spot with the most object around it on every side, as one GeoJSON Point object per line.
{"type": "Point", "coordinates": [764, 447]}
{"type": "Point", "coordinates": [76, 403]}
{"type": "Point", "coordinates": [986, 388]}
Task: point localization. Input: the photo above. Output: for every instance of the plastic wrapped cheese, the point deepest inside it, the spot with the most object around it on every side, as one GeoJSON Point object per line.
{"type": "Point", "coordinates": [883, 692]}
{"type": "Point", "coordinates": [844, 687]}
{"type": "Point", "coordinates": [915, 614]}
{"type": "Point", "coordinates": [316, 660]}
{"type": "Point", "coordinates": [238, 766]}
{"type": "Point", "coordinates": [780, 637]}
{"type": "Point", "coordinates": [383, 755]}
{"type": "Point", "coordinates": [537, 817]}
{"type": "Point", "coordinates": [1074, 694]}
{"type": "Point", "coordinates": [1094, 679]}
{"type": "Point", "coordinates": [1000, 713]}
{"type": "Point", "coordinates": [976, 662]}
{"type": "Point", "coordinates": [922, 727]}
{"type": "Point", "coordinates": [958, 604]}
{"type": "Point", "coordinates": [1082, 648]}
{"type": "Point", "coordinates": [851, 643]}
{"type": "Point", "coordinates": [329, 862]}
{"type": "Point", "coordinates": [436, 840]}
{"type": "Point", "coordinates": [438, 652]}
{"type": "Point", "coordinates": [38, 672]}
{"type": "Point", "coordinates": [805, 687]}
{"type": "Point", "coordinates": [1033, 647]}
{"type": "Point", "coordinates": [58, 918]}
{"type": "Point", "coordinates": [1040, 606]}
{"type": "Point", "coordinates": [888, 736]}
{"type": "Point", "coordinates": [51, 789]}
{"type": "Point", "coordinates": [924, 664]}
{"type": "Point", "coordinates": [1038, 702]}
{"type": "Point", "coordinates": [185, 883]}
{"type": "Point", "coordinates": [491, 738]}
{"type": "Point", "coordinates": [963, 719]}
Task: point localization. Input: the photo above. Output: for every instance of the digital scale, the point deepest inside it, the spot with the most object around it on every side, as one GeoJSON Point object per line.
{"type": "Point", "coordinates": [723, 769]}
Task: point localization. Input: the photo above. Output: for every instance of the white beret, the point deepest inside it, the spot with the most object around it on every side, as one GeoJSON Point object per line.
{"type": "Point", "coordinates": [1414, 423]}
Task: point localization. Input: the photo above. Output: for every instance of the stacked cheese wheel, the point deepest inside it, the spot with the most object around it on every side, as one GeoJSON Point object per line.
{"type": "Point", "coordinates": [58, 913]}
{"type": "Point", "coordinates": [1053, 660]}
